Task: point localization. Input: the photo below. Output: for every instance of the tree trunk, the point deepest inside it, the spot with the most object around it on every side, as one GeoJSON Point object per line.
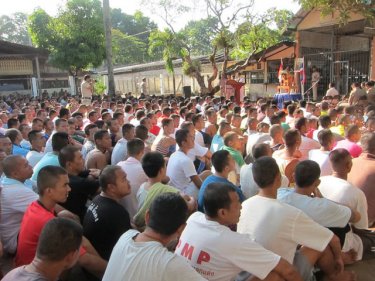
{"type": "Point", "coordinates": [108, 45]}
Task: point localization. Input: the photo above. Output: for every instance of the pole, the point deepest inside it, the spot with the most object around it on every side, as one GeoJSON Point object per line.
{"type": "Point", "coordinates": [108, 46]}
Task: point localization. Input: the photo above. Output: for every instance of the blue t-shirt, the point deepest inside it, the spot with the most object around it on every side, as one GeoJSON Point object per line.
{"type": "Point", "coordinates": [18, 150]}
{"type": "Point", "coordinates": [49, 159]}
{"type": "Point", "coordinates": [211, 179]}
{"type": "Point", "coordinates": [217, 143]}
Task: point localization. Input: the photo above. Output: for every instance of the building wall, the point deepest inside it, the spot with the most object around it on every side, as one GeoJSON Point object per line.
{"type": "Point", "coordinates": [314, 19]}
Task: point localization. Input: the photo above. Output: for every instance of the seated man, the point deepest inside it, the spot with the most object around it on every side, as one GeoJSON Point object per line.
{"type": "Point", "coordinates": [100, 157]}
{"type": "Point", "coordinates": [84, 184]}
{"type": "Point", "coordinates": [15, 137]}
{"type": "Point", "coordinates": [223, 163]}
{"type": "Point", "coordinates": [59, 141]}
{"type": "Point", "coordinates": [89, 145]}
{"type": "Point", "coordinates": [106, 220]}
{"type": "Point", "coordinates": [291, 228]}
{"type": "Point", "coordinates": [232, 144]}
{"type": "Point", "coordinates": [53, 188]}
{"type": "Point", "coordinates": [247, 183]}
{"type": "Point", "coordinates": [135, 174]}
{"type": "Point", "coordinates": [144, 256]}
{"type": "Point", "coordinates": [120, 152]}
{"type": "Point", "coordinates": [336, 187]}
{"type": "Point", "coordinates": [36, 153]}
{"type": "Point", "coordinates": [321, 156]}
{"type": "Point", "coordinates": [218, 141]}
{"type": "Point", "coordinates": [201, 242]}
{"type": "Point", "coordinates": [15, 197]}
{"type": "Point", "coordinates": [307, 144]}
{"type": "Point", "coordinates": [57, 251]}
{"type": "Point", "coordinates": [153, 164]}
{"type": "Point", "coordinates": [323, 211]}
{"type": "Point", "coordinates": [362, 173]}
{"type": "Point", "coordinates": [180, 169]}
{"type": "Point", "coordinates": [352, 136]}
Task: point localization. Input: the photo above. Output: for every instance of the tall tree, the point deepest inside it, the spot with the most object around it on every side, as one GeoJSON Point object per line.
{"type": "Point", "coordinates": [108, 45]}
{"type": "Point", "coordinates": [343, 7]}
{"type": "Point", "coordinates": [136, 29]}
{"type": "Point", "coordinates": [75, 38]}
{"type": "Point", "coordinates": [200, 34]}
{"type": "Point", "coordinates": [13, 28]}
{"type": "Point", "coordinates": [127, 49]}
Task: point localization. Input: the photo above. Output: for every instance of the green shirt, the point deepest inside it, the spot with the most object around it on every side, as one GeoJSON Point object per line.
{"type": "Point", "coordinates": [235, 154]}
{"type": "Point", "coordinates": [155, 190]}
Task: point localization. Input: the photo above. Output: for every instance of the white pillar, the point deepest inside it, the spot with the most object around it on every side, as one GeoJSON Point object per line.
{"type": "Point", "coordinates": [161, 84]}
{"type": "Point", "coordinates": [72, 85]}
{"type": "Point", "coordinates": [34, 87]}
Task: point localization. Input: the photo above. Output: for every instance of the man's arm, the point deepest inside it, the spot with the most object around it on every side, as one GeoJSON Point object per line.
{"type": "Point", "coordinates": [335, 246]}
{"type": "Point", "coordinates": [355, 217]}
{"type": "Point", "coordinates": [287, 271]}
{"type": "Point", "coordinates": [197, 181]}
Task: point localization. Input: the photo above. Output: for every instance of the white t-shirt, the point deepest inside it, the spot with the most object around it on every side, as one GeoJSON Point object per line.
{"type": "Point", "coordinates": [199, 138]}
{"type": "Point", "coordinates": [219, 254]}
{"type": "Point", "coordinates": [307, 144]}
{"type": "Point", "coordinates": [321, 210]}
{"type": "Point", "coordinates": [254, 139]}
{"type": "Point", "coordinates": [248, 186]}
{"type": "Point", "coordinates": [343, 192]}
{"type": "Point", "coordinates": [136, 177]}
{"type": "Point", "coordinates": [331, 92]}
{"type": "Point", "coordinates": [146, 261]}
{"type": "Point", "coordinates": [280, 228]}
{"type": "Point", "coordinates": [15, 198]}
{"type": "Point", "coordinates": [33, 157]}
{"type": "Point", "coordinates": [322, 158]}
{"type": "Point", "coordinates": [120, 151]}
{"type": "Point", "coordinates": [179, 170]}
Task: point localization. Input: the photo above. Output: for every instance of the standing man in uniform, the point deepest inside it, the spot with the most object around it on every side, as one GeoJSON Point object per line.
{"type": "Point", "coordinates": [87, 89]}
{"type": "Point", "coordinates": [315, 77]}
{"type": "Point", "coordinates": [143, 87]}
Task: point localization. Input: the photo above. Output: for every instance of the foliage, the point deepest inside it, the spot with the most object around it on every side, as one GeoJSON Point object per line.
{"type": "Point", "coordinates": [127, 49]}
{"type": "Point", "coordinates": [343, 7]}
{"type": "Point", "coordinates": [256, 35]}
{"type": "Point", "coordinates": [13, 28]}
{"type": "Point", "coordinates": [171, 44]}
{"type": "Point", "coordinates": [99, 87]}
{"type": "Point", "coordinates": [200, 34]}
{"type": "Point", "coordinates": [75, 38]}
{"type": "Point", "coordinates": [136, 30]}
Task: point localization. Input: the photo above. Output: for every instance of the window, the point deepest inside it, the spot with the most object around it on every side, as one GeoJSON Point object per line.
{"type": "Point", "coordinates": [255, 77]}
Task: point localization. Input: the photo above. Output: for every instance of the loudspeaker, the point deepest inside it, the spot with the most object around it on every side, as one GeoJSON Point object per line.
{"type": "Point", "coordinates": [187, 91]}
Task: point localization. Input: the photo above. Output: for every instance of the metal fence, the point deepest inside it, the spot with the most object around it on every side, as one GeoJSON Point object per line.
{"type": "Point", "coordinates": [341, 67]}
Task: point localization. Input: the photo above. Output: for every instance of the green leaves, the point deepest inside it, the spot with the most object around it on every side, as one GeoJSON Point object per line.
{"type": "Point", "coordinates": [75, 38]}
{"type": "Point", "coordinates": [13, 28]}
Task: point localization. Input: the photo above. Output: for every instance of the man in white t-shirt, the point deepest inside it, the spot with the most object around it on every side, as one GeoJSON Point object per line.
{"type": "Point", "coordinates": [332, 92]}
{"type": "Point", "coordinates": [321, 156]}
{"type": "Point", "coordinates": [198, 123]}
{"type": "Point", "coordinates": [247, 183]}
{"type": "Point", "coordinates": [144, 256]}
{"type": "Point", "coordinates": [201, 242]}
{"type": "Point", "coordinates": [280, 228]}
{"type": "Point", "coordinates": [323, 211]}
{"type": "Point", "coordinates": [15, 197]}
{"type": "Point", "coordinates": [120, 151]}
{"type": "Point", "coordinates": [37, 141]}
{"type": "Point", "coordinates": [181, 169]}
{"type": "Point", "coordinates": [135, 174]}
{"type": "Point", "coordinates": [307, 144]}
{"type": "Point", "coordinates": [338, 189]}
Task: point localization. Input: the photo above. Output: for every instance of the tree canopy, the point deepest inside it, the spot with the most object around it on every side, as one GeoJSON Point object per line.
{"type": "Point", "coordinates": [75, 38]}
{"type": "Point", "coordinates": [13, 28]}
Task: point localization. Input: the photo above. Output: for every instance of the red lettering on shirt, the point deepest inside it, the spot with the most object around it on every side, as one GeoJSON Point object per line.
{"type": "Point", "coordinates": [203, 257]}
{"type": "Point", "coordinates": [187, 251]}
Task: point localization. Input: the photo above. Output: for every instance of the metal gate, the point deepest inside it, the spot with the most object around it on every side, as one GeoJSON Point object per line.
{"type": "Point", "coordinates": [341, 67]}
{"type": "Point", "coordinates": [340, 70]}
